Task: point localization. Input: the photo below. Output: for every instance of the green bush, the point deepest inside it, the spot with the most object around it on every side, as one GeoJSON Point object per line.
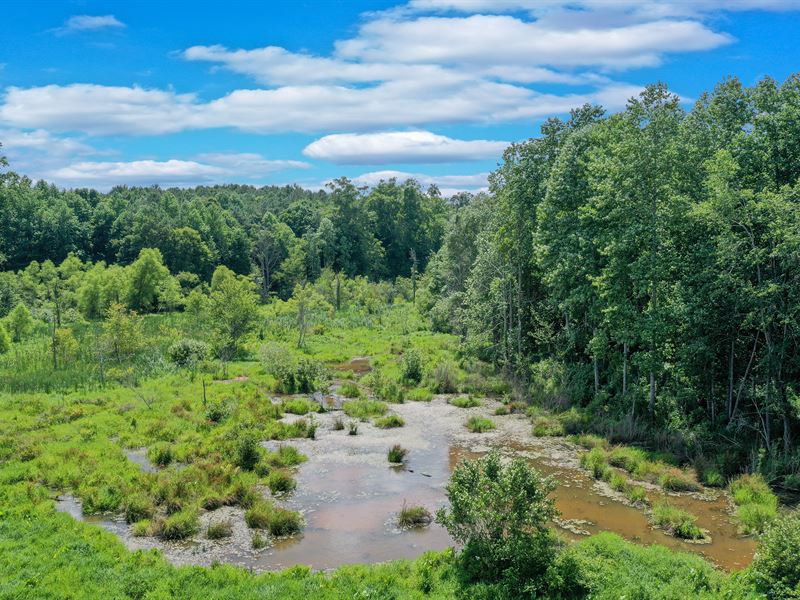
{"type": "Point", "coordinates": [248, 450]}
{"type": "Point", "coordinates": [756, 505]}
{"type": "Point", "coordinates": [389, 421]}
{"type": "Point", "coordinates": [411, 366]}
{"type": "Point", "coordinates": [776, 568]}
{"type": "Point", "coordinates": [465, 402]}
{"type": "Point", "coordinates": [293, 375]}
{"type": "Point", "coordinates": [478, 424]}
{"type": "Point", "coordinates": [755, 517]}
{"type": "Point", "coordinates": [499, 515]}
{"type": "Point", "coordinates": [397, 454]}
{"type": "Point", "coordinates": [258, 515]}
{"type": "Point", "coordinates": [187, 352]}
{"type": "Point", "coordinates": [444, 378]}
{"type": "Point", "coordinates": [676, 522]}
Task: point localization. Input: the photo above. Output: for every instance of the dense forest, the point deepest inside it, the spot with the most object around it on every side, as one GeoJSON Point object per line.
{"type": "Point", "coordinates": [630, 278]}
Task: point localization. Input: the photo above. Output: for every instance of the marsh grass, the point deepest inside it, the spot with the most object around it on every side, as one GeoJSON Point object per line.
{"type": "Point", "coordinates": [397, 454]}
{"type": "Point", "coordinates": [419, 394]}
{"type": "Point", "coordinates": [364, 409]}
{"type": "Point", "coordinates": [389, 421]}
{"type": "Point", "coordinates": [219, 530]}
{"type": "Point", "coordinates": [414, 516]}
{"type": "Point", "coordinates": [676, 521]}
{"type": "Point", "coordinates": [478, 424]}
{"type": "Point", "coordinates": [281, 482]}
{"type": "Point", "coordinates": [756, 505]}
{"type": "Point", "coordinates": [465, 402]}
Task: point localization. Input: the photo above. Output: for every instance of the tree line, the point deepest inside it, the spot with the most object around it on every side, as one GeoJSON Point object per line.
{"type": "Point", "coordinates": [645, 266]}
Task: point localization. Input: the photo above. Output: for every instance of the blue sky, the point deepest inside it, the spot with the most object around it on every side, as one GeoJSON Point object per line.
{"type": "Point", "coordinates": [184, 93]}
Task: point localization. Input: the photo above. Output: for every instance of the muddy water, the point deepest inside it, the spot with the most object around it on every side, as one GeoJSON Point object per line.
{"type": "Point", "coordinates": [350, 496]}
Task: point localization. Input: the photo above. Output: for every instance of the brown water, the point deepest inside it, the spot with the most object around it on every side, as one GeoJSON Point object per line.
{"type": "Point", "coordinates": [350, 496]}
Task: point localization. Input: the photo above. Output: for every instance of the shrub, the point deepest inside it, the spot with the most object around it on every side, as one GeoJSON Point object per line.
{"type": "Point", "coordinates": [414, 516]}
{"type": "Point", "coordinates": [217, 411]}
{"type": "Point", "coordinates": [478, 424]}
{"type": "Point", "coordinates": [280, 482]}
{"type": "Point", "coordinates": [499, 515]}
{"type": "Point", "coordinates": [219, 530]}
{"type": "Point", "coordinates": [445, 378]}
{"type": "Point", "coordinates": [465, 402]}
{"type": "Point", "coordinates": [756, 505]}
{"type": "Point", "coordinates": [389, 421]}
{"type": "Point", "coordinates": [179, 526]}
{"type": "Point", "coordinates": [248, 450]}
{"type": "Point", "coordinates": [676, 522]}
{"type": "Point", "coordinates": [364, 409]}
{"type": "Point", "coordinates": [547, 427]}
{"type": "Point", "coordinates": [187, 352]}
{"type": "Point", "coordinates": [411, 366]}
{"type": "Point", "coordinates": [397, 454]}
{"type": "Point", "coordinates": [419, 394]}
{"type": "Point", "coordinates": [775, 568]}
{"type": "Point", "coordinates": [292, 375]}
{"type": "Point", "coordinates": [596, 463]}
{"type": "Point", "coordinates": [5, 340]}
{"type": "Point", "coordinates": [160, 454]}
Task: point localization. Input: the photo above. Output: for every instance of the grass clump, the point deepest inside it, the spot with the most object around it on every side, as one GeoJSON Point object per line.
{"type": "Point", "coordinates": [283, 522]}
{"type": "Point", "coordinates": [444, 378]}
{"type": "Point", "coordinates": [546, 426]}
{"type": "Point", "coordinates": [219, 530]}
{"type": "Point", "coordinates": [589, 441]}
{"type": "Point", "coordinates": [259, 541]}
{"type": "Point", "coordinates": [676, 521]}
{"type": "Point", "coordinates": [364, 409]}
{"type": "Point", "coordinates": [478, 424]}
{"type": "Point", "coordinates": [281, 482]}
{"type": "Point", "coordinates": [300, 406]}
{"type": "Point", "coordinates": [338, 424]}
{"type": "Point", "coordinates": [258, 515]}
{"type": "Point", "coordinates": [414, 516]}
{"type": "Point", "coordinates": [397, 454]}
{"type": "Point", "coordinates": [596, 463]}
{"type": "Point", "coordinates": [636, 494]}
{"type": "Point", "coordinates": [160, 454]}
{"type": "Point", "coordinates": [350, 390]}
{"type": "Point", "coordinates": [756, 505]}
{"type": "Point", "coordinates": [352, 428]}
{"type": "Point", "coordinates": [141, 528]}
{"type": "Point", "coordinates": [465, 402]}
{"type": "Point", "coordinates": [419, 394]}
{"type": "Point", "coordinates": [180, 525]}
{"type": "Point", "coordinates": [138, 507]}
{"type": "Point", "coordinates": [675, 481]}
{"type": "Point", "coordinates": [390, 421]}
{"type": "Point", "coordinates": [502, 410]}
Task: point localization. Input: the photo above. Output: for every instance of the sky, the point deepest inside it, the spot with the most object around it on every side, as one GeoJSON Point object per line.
{"type": "Point", "coordinates": [97, 94]}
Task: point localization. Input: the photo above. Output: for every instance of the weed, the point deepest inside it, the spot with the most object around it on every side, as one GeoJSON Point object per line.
{"type": "Point", "coordinates": [219, 530]}
{"type": "Point", "coordinates": [465, 402]}
{"type": "Point", "coordinates": [364, 409]}
{"type": "Point", "coordinates": [397, 454]}
{"type": "Point", "coordinates": [419, 394]}
{"type": "Point", "coordinates": [280, 482]}
{"type": "Point", "coordinates": [352, 428]}
{"type": "Point", "coordinates": [389, 421]}
{"type": "Point", "coordinates": [676, 522]}
{"type": "Point", "coordinates": [478, 424]}
{"type": "Point", "coordinates": [414, 516]}
{"type": "Point", "coordinates": [350, 390]}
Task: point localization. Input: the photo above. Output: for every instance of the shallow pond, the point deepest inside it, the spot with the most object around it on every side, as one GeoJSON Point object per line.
{"type": "Point", "coordinates": [350, 496]}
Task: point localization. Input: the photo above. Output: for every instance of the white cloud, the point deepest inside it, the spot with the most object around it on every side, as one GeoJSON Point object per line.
{"type": "Point", "coordinates": [202, 169]}
{"type": "Point", "coordinates": [447, 184]}
{"type": "Point", "coordinates": [17, 142]}
{"type": "Point", "coordinates": [105, 110]}
{"type": "Point", "coordinates": [400, 147]}
{"type": "Point", "coordinates": [78, 23]}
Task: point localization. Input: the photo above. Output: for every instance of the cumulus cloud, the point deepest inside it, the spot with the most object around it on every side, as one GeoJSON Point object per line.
{"type": "Point", "coordinates": [107, 110]}
{"type": "Point", "coordinates": [202, 169]}
{"type": "Point", "coordinates": [447, 184]}
{"type": "Point", "coordinates": [400, 147]}
{"type": "Point", "coordinates": [78, 23]}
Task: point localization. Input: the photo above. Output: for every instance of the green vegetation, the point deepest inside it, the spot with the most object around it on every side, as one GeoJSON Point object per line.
{"type": "Point", "coordinates": [465, 402]}
{"type": "Point", "coordinates": [219, 530]}
{"type": "Point", "coordinates": [397, 454]}
{"type": "Point", "coordinates": [478, 424]}
{"type": "Point", "coordinates": [350, 390]}
{"type": "Point", "coordinates": [300, 406]}
{"type": "Point", "coordinates": [389, 421]}
{"type": "Point", "coordinates": [776, 569]}
{"type": "Point", "coordinates": [414, 516]}
{"type": "Point", "coordinates": [756, 505]}
{"type": "Point", "coordinates": [364, 409]}
{"type": "Point", "coordinates": [418, 394]}
{"type": "Point", "coordinates": [676, 522]}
